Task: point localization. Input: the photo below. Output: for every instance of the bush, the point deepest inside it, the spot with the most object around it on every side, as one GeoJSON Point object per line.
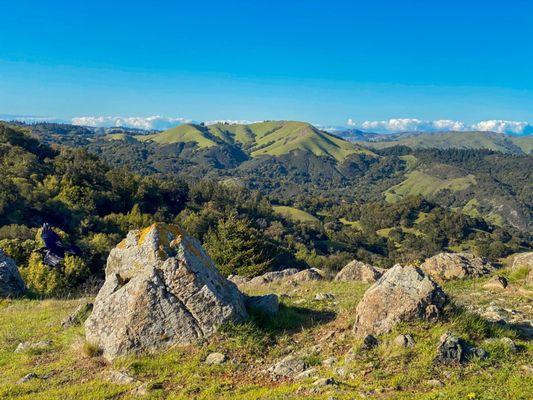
{"type": "Point", "coordinates": [42, 279]}
{"type": "Point", "coordinates": [47, 281]}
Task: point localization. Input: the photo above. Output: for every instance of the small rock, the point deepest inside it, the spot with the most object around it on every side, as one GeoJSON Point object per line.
{"type": "Point", "coordinates": [505, 341]}
{"type": "Point", "coordinates": [289, 366]}
{"type": "Point", "coordinates": [528, 369]}
{"type": "Point", "coordinates": [450, 350]}
{"type": "Point", "coordinates": [34, 346]}
{"type": "Point", "coordinates": [476, 352]}
{"type": "Point", "coordinates": [496, 283]}
{"type": "Point", "coordinates": [324, 382]}
{"type": "Point", "coordinates": [308, 373]}
{"type": "Point", "coordinates": [359, 271]}
{"type": "Point", "coordinates": [215, 359]}
{"type": "Point", "coordinates": [28, 377]}
{"type": "Point", "coordinates": [404, 341]}
{"type": "Point", "coordinates": [267, 304]}
{"type": "Point", "coordinates": [329, 362]}
{"type": "Point", "coordinates": [369, 342]}
{"type": "Point", "coordinates": [140, 391]}
{"type": "Point", "coordinates": [11, 283]}
{"type": "Point", "coordinates": [119, 377]}
{"type": "Point", "coordinates": [341, 371]}
{"type": "Point", "coordinates": [324, 296]}
{"type": "Point", "coordinates": [434, 383]}
{"type": "Point", "coordinates": [78, 317]}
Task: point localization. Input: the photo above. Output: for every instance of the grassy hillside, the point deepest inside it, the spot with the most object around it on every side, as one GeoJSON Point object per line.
{"type": "Point", "coordinates": [319, 331]}
{"type": "Point", "coordinates": [182, 134]}
{"type": "Point", "coordinates": [263, 138]}
{"type": "Point", "coordinates": [459, 140]}
{"type": "Point", "coordinates": [421, 183]}
{"type": "Point", "coordinates": [295, 214]}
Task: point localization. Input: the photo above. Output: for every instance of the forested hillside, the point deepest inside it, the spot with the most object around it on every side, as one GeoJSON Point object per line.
{"type": "Point", "coordinates": [296, 210]}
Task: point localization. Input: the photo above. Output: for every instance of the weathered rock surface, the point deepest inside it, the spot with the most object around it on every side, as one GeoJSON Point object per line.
{"type": "Point", "coordinates": [358, 271]}
{"type": "Point", "coordinates": [33, 346]}
{"type": "Point", "coordinates": [307, 275]}
{"type": "Point", "coordinates": [238, 280]}
{"type": "Point", "coordinates": [160, 289]}
{"type": "Point", "coordinates": [496, 283]}
{"type": "Point", "coordinates": [272, 277]}
{"type": "Point", "coordinates": [406, 341]}
{"type": "Point", "coordinates": [11, 283]}
{"type": "Point", "coordinates": [523, 260]}
{"type": "Point", "coordinates": [289, 366]}
{"type": "Point", "coordinates": [451, 349]}
{"type": "Point", "coordinates": [401, 294]}
{"type": "Point", "coordinates": [267, 304]}
{"type": "Point", "coordinates": [446, 266]}
{"type": "Point", "coordinates": [215, 359]}
{"type": "Point", "coordinates": [78, 316]}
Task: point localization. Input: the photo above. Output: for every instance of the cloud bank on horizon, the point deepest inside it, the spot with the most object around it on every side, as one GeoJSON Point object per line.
{"type": "Point", "coordinates": [395, 125]}
{"type": "Point", "coordinates": [152, 122]}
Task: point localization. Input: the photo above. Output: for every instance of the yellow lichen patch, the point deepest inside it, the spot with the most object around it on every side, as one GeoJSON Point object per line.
{"type": "Point", "coordinates": [122, 244]}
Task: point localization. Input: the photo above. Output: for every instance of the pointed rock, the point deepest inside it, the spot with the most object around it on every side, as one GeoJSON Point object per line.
{"type": "Point", "coordinates": [161, 289]}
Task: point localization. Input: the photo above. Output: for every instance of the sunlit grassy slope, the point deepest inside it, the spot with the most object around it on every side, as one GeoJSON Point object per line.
{"type": "Point", "coordinates": [318, 331]}
{"type": "Point", "coordinates": [295, 214]}
{"type": "Point", "coordinates": [263, 138]}
{"type": "Point", "coordinates": [420, 183]}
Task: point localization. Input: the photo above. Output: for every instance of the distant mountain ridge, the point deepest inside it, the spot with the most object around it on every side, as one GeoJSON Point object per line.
{"type": "Point", "coordinates": [272, 138]}
{"type": "Point", "coordinates": [448, 140]}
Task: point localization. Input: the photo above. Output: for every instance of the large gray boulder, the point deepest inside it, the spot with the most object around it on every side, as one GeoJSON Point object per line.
{"type": "Point", "coordinates": [447, 266]}
{"type": "Point", "coordinates": [11, 283]}
{"type": "Point", "coordinates": [160, 289]}
{"type": "Point", "coordinates": [401, 294]}
{"type": "Point", "coordinates": [358, 271]}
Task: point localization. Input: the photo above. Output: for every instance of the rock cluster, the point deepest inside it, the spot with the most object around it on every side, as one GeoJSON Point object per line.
{"type": "Point", "coordinates": [160, 289]}
{"type": "Point", "coordinates": [401, 294]}
{"type": "Point", "coordinates": [360, 272]}
{"type": "Point", "coordinates": [446, 266]}
{"type": "Point", "coordinates": [11, 283]}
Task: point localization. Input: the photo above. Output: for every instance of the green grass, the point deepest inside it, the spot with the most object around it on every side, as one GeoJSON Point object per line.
{"type": "Point", "coordinates": [295, 214]}
{"type": "Point", "coordinates": [420, 183]}
{"type": "Point", "coordinates": [315, 330]}
{"type": "Point", "coordinates": [355, 224]}
{"type": "Point", "coordinates": [263, 138]}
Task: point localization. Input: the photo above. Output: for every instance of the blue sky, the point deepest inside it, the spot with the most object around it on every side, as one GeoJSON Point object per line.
{"type": "Point", "coordinates": [319, 61]}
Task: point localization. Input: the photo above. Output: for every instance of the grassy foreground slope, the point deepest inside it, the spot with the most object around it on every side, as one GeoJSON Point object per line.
{"type": "Point", "coordinates": [318, 331]}
{"type": "Point", "coordinates": [262, 138]}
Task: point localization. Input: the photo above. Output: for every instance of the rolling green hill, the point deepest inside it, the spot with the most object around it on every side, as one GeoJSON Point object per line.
{"type": "Point", "coordinates": [459, 140]}
{"type": "Point", "coordinates": [263, 138]}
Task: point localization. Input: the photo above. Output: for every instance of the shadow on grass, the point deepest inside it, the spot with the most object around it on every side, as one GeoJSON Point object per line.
{"type": "Point", "coordinates": [475, 327]}
{"type": "Point", "coordinates": [290, 319]}
{"type": "Point", "coordinates": [262, 330]}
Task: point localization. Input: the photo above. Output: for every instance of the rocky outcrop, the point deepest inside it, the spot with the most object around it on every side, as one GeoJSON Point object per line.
{"type": "Point", "coordinates": [359, 272]}
{"type": "Point", "coordinates": [401, 294]}
{"type": "Point", "coordinates": [160, 289]}
{"type": "Point", "coordinates": [307, 275]}
{"type": "Point", "coordinates": [523, 260]}
{"type": "Point", "coordinates": [11, 283]}
{"type": "Point", "coordinates": [272, 277]}
{"type": "Point", "coordinates": [446, 266]}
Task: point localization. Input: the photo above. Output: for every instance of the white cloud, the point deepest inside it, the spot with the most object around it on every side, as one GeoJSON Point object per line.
{"type": "Point", "coordinates": [502, 126]}
{"type": "Point", "coordinates": [231, 122]}
{"type": "Point", "coordinates": [152, 122]}
{"type": "Point", "coordinates": [417, 125]}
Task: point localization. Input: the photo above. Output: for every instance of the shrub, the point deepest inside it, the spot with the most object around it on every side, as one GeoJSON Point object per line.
{"type": "Point", "coordinates": [42, 279]}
